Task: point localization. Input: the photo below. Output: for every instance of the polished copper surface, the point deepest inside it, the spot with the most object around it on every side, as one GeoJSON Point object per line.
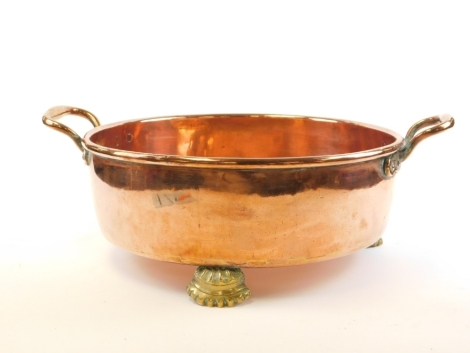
{"type": "Point", "coordinates": [245, 190]}
{"type": "Point", "coordinates": [243, 139]}
{"type": "Point", "coordinates": [243, 217]}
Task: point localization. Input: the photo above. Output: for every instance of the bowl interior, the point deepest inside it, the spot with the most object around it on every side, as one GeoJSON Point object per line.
{"type": "Point", "coordinates": [242, 136]}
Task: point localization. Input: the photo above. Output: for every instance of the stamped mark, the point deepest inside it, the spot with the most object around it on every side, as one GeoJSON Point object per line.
{"type": "Point", "coordinates": [170, 198]}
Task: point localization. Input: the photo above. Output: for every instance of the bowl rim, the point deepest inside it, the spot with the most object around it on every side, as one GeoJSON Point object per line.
{"type": "Point", "coordinates": [237, 162]}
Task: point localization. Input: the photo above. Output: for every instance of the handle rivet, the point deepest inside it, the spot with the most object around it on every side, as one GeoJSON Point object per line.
{"type": "Point", "coordinates": [391, 165]}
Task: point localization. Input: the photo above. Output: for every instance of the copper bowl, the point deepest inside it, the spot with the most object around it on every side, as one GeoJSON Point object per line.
{"type": "Point", "coordinates": [242, 190]}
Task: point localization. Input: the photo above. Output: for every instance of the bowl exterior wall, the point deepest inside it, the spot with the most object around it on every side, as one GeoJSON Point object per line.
{"type": "Point", "coordinates": [240, 217]}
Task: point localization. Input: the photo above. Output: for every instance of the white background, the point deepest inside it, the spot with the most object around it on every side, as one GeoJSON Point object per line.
{"type": "Point", "coordinates": [64, 288]}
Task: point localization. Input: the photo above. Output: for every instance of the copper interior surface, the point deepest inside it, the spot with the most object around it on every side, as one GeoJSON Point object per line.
{"type": "Point", "coordinates": [242, 136]}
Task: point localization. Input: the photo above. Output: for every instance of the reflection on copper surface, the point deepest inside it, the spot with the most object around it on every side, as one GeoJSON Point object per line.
{"type": "Point", "coordinates": [243, 137]}
{"type": "Point", "coordinates": [269, 182]}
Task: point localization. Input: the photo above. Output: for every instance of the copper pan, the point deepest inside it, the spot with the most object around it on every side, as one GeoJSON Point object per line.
{"type": "Point", "coordinates": [242, 190]}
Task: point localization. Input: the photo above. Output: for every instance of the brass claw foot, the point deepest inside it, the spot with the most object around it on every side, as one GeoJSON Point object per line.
{"type": "Point", "coordinates": [377, 243]}
{"type": "Point", "coordinates": [218, 286]}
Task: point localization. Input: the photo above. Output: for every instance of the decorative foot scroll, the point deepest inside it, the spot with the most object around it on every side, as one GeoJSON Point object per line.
{"type": "Point", "coordinates": [218, 286]}
{"type": "Point", "coordinates": [377, 243]}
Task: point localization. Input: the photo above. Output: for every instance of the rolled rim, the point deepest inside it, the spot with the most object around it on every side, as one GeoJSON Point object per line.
{"type": "Point", "coordinates": [238, 162]}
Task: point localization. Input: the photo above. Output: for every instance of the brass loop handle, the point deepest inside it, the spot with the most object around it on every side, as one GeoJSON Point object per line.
{"type": "Point", "coordinates": [417, 133]}
{"type": "Point", "coordinates": [51, 116]}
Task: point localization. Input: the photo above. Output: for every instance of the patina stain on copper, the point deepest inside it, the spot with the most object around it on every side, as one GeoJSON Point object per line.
{"type": "Point", "coordinates": [272, 182]}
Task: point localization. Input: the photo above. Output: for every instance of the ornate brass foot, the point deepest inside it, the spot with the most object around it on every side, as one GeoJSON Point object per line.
{"type": "Point", "coordinates": [218, 286]}
{"type": "Point", "coordinates": [377, 243]}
